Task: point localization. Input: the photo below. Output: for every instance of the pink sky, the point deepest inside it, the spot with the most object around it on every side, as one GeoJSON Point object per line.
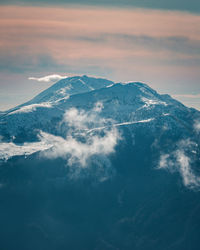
{"type": "Point", "coordinates": [158, 47]}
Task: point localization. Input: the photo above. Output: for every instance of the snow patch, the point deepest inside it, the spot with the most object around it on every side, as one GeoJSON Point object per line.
{"type": "Point", "coordinates": [110, 85]}
{"type": "Point", "coordinates": [8, 150]}
{"type": "Point", "coordinates": [31, 108]}
{"type": "Point", "coordinates": [152, 102]}
{"type": "Point", "coordinates": [121, 124]}
{"type": "Point", "coordinates": [91, 88]}
{"type": "Point", "coordinates": [63, 91]}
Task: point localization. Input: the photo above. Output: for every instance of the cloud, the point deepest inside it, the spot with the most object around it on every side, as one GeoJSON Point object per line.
{"type": "Point", "coordinates": [182, 160]}
{"type": "Point", "coordinates": [197, 126]}
{"type": "Point", "coordinates": [80, 149]}
{"type": "Point", "coordinates": [36, 39]}
{"type": "Point", "coordinates": [79, 146]}
{"type": "Point", "coordinates": [79, 120]}
{"type": "Point", "coordinates": [49, 78]}
{"type": "Point", "coordinates": [189, 178]}
{"type": "Point", "coordinates": [164, 162]}
{"type": "Point", "coordinates": [77, 151]}
{"type": "Point", "coordinates": [56, 32]}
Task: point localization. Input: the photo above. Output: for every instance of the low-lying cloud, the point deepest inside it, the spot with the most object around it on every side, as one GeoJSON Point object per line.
{"type": "Point", "coordinates": [79, 148]}
{"type": "Point", "coordinates": [182, 160]}
{"type": "Point", "coordinates": [49, 78]}
{"type": "Point", "coordinates": [82, 120]}
{"type": "Point", "coordinates": [197, 126]}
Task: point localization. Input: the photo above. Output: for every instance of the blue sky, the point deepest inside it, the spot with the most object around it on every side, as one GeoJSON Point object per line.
{"type": "Point", "coordinates": [157, 42]}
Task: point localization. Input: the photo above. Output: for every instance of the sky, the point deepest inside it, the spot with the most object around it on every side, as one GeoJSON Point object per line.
{"type": "Point", "coordinates": [156, 42]}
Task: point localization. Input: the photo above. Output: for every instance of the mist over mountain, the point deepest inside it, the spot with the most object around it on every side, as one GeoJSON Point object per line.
{"type": "Point", "coordinates": [94, 164]}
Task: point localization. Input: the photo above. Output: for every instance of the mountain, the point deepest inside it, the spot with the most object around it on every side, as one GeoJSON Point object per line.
{"type": "Point", "coordinates": [70, 86]}
{"type": "Point", "coordinates": [122, 102]}
{"type": "Point", "coordinates": [94, 164]}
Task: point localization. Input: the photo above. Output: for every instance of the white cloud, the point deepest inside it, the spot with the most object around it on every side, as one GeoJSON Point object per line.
{"type": "Point", "coordinates": [49, 78]}
{"type": "Point", "coordinates": [79, 148]}
{"type": "Point", "coordinates": [164, 161]}
{"type": "Point", "coordinates": [189, 178]}
{"type": "Point", "coordinates": [181, 160]}
{"type": "Point", "coordinates": [76, 151]}
{"type": "Point", "coordinates": [98, 107]}
{"type": "Point", "coordinates": [82, 120]}
{"type": "Point", "coordinates": [197, 126]}
{"type": "Point", "coordinates": [85, 134]}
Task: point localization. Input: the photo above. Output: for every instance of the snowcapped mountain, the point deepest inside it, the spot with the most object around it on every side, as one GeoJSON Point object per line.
{"type": "Point", "coordinates": [85, 107]}
{"type": "Point", "coordinates": [123, 102]}
{"type": "Point", "coordinates": [94, 164]}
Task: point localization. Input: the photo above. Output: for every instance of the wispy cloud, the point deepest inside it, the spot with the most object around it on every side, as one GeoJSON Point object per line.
{"type": "Point", "coordinates": [153, 46]}
{"type": "Point", "coordinates": [79, 146]}
{"type": "Point", "coordinates": [80, 149]}
{"type": "Point", "coordinates": [197, 126]}
{"type": "Point", "coordinates": [189, 178]}
{"type": "Point", "coordinates": [57, 33]}
{"type": "Point", "coordinates": [182, 160]}
{"type": "Point", "coordinates": [49, 78]}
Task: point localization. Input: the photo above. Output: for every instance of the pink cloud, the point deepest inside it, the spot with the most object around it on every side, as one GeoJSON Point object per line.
{"type": "Point", "coordinates": [133, 44]}
{"type": "Point", "coordinates": [28, 25]}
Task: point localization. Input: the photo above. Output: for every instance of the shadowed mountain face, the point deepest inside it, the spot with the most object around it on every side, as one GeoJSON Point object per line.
{"type": "Point", "coordinates": [93, 164]}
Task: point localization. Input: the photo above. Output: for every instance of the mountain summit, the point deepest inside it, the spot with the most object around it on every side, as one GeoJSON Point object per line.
{"type": "Point", "coordinates": [123, 102]}
{"type": "Point", "coordinates": [94, 164]}
{"type": "Point", "coordinates": [70, 86]}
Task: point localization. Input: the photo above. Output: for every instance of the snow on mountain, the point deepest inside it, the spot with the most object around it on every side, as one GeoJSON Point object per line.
{"type": "Point", "coordinates": [70, 86]}
{"type": "Point", "coordinates": [30, 108]}
{"type": "Point", "coordinates": [93, 106]}
{"type": "Point", "coordinates": [113, 165]}
{"type": "Point", "coordinates": [60, 91]}
{"type": "Point", "coordinates": [126, 103]}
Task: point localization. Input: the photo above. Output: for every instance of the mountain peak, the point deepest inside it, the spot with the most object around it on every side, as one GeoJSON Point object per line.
{"type": "Point", "coordinates": [134, 93]}
{"type": "Point", "coordinates": [70, 86]}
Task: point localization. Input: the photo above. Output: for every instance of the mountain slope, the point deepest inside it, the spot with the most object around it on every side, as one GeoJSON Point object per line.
{"type": "Point", "coordinates": [113, 167]}
{"type": "Point", "coordinates": [122, 102]}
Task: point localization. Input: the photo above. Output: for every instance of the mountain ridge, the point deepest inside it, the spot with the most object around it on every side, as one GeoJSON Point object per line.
{"type": "Point", "coordinates": [124, 102]}
{"type": "Point", "coordinates": [48, 94]}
